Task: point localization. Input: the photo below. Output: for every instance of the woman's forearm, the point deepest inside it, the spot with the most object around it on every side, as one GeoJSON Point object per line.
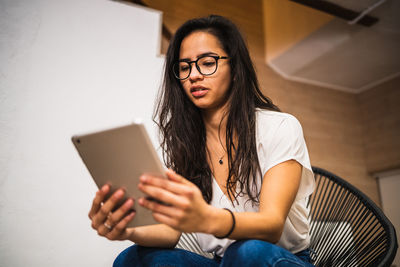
{"type": "Point", "coordinates": [279, 188]}
{"type": "Point", "coordinates": [248, 225]}
{"type": "Point", "coordinates": [159, 235]}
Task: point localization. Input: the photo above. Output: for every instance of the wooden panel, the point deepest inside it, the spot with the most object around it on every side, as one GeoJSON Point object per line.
{"type": "Point", "coordinates": [332, 127]}
{"type": "Point", "coordinates": [286, 23]}
{"type": "Point", "coordinates": [246, 14]}
{"type": "Point", "coordinates": [381, 121]}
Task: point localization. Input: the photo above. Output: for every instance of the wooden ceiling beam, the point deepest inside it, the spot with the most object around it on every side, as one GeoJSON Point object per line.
{"type": "Point", "coordinates": [338, 11]}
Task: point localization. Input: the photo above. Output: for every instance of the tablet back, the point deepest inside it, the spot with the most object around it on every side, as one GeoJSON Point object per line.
{"type": "Point", "coordinates": [118, 157]}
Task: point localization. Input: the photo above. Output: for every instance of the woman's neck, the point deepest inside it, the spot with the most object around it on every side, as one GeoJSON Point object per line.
{"type": "Point", "coordinates": [215, 123]}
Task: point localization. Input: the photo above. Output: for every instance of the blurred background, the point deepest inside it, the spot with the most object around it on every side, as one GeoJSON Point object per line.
{"type": "Point", "coordinates": [341, 80]}
{"type": "Point", "coordinates": [72, 67]}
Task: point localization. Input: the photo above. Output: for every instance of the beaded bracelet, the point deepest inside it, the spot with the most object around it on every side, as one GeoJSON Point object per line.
{"type": "Point", "coordinates": [233, 225]}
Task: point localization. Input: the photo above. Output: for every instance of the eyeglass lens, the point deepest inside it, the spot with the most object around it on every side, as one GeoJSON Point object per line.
{"type": "Point", "coordinates": [205, 65]}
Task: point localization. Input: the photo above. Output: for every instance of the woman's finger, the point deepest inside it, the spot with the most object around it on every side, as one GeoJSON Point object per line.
{"type": "Point", "coordinates": [117, 232]}
{"type": "Point", "coordinates": [175, 187]}
{"type": "Point", "coordinates": [163, 195]}
{"type": "Point", "coordinates": [100, 195]}
{"type": "Point", "coordinates": [117, 215]}
{"type": "Point", "coordinates": [155, 207]}
{"type": "Point", "coordinates": [102, 230]}
{"type": "Point", "coordinates": [173, 176]}
{"type": "Point", "coordinates": [106, 208]}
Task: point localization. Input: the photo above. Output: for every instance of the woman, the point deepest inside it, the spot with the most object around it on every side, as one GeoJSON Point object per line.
{"type": "Point", "coordinates": [241, 168]}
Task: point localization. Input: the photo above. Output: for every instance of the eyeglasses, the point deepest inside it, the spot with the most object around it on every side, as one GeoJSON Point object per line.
{"type": "Point", "coordinates": [206, 65]}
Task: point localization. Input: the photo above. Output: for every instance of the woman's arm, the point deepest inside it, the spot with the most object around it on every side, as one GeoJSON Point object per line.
{"type": "Point", "coordinates": [278, 192]}
{"type": "Point", "coordinates": [189, 212]}
{"type": "Point", "coordinates": [158, 235]}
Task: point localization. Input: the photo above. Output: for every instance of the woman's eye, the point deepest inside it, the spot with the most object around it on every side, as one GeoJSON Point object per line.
{"type": "Point", "coordinates": [184, 67]}
{"type": "Point", "coordinates": [208, 63]}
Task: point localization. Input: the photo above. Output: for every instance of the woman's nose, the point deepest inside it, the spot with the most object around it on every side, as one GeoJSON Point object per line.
{"type": "Point", "coordinates": [195, 73]}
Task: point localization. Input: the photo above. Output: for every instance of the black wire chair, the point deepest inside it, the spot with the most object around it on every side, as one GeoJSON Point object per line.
{"type": "Point", "coordinates": [347, 228]}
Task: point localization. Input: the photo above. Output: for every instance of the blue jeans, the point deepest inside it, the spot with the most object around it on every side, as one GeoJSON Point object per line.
{"type": "Point", "coordinates": [240, 253]}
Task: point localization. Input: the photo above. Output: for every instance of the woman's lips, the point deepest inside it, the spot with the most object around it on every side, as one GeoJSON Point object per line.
{"type": "Point", "coordinates": [198, 91]}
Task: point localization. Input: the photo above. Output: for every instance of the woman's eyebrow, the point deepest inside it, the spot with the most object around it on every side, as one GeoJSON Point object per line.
{"type": "Point", "coordinates": [201, 55]}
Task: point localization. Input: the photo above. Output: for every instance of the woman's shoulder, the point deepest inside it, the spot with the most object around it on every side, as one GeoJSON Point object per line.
{"type": "Point", "coordinates": [272, 125]}
{"type": "Point", "coordinates": [270, 118]}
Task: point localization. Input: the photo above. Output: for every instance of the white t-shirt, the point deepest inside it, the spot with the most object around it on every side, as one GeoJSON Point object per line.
{"type": "Point", "coordinates": [279, 137]}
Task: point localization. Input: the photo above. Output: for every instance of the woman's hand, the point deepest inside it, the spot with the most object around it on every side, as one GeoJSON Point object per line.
{"type": "Point", "coordinates": [185, 209]}
{"type": "Point", "coordinates": [111, 225]}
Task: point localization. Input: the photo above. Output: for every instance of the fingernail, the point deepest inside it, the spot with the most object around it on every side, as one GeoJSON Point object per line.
{"type": "Point", "coordinates": [141, 201]}
{"type": "Point", "coordinates": [104, 187]}
{"type": "Point", "coordinates": [143, 178]}
{"type": "Point", "coordinates": [119, 193]}
{"type": "Point", "coordinates": [129, 203]}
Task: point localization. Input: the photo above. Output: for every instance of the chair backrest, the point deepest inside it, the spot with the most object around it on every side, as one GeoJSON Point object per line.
{"type": "Point", "coordinates": [347, 228]}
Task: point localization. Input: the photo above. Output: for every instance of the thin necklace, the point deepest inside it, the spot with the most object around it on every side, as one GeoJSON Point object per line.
{"type": "Point", "coordinates": [220, 161]}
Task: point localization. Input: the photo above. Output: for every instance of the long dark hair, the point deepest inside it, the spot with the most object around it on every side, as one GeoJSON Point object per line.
{"type": "Point", "coordinates": [183, 134]}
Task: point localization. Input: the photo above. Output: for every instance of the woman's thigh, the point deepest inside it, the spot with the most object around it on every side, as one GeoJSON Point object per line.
{"type": "Point", "coordinates": [143, 256]}
{"type": "Point", "coordinates": [260, 253]}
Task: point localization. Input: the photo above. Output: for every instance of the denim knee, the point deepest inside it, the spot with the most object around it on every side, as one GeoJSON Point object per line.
{"type": "Point", "coordinates": [246, 250]}
{"type": "Point", "coordinates": [259, 253]}
{"type": "Point", "coordinates": [127, 257]}
{"type": "Point", "coordinates": [146, 256]}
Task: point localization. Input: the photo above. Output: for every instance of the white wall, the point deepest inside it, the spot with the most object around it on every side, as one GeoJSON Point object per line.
{"type": "Point", "coordinates": [66, 67]}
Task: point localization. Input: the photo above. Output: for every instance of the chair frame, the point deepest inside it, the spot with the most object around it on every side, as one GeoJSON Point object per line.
{"type": "Point", "coordinates": [188, 241]}
{"type": "Point", "coordinates": [384, 258]}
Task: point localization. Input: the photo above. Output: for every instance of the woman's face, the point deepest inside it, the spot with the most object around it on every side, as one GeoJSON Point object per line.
{"type": "Point", "coordinates": [206, 92]}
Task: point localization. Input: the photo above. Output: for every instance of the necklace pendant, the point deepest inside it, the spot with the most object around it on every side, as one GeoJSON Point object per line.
{"type": "Point", "coordinates": [220, 161]}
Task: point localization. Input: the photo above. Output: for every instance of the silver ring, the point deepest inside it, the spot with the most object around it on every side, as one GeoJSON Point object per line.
{"type": "Point", "coordinates": [109, 227]}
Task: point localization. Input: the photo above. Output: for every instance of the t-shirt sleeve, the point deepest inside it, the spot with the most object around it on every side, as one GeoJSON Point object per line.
{"type": "Point", "coordinates": [285, 143]}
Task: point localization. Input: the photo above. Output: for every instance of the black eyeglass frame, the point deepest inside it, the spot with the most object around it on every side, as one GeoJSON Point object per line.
{"type": "Point", "coordinates": [197, 66]}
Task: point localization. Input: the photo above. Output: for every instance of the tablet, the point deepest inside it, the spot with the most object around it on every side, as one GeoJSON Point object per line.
{"type": "Point", "coordinates": [118, 157]}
